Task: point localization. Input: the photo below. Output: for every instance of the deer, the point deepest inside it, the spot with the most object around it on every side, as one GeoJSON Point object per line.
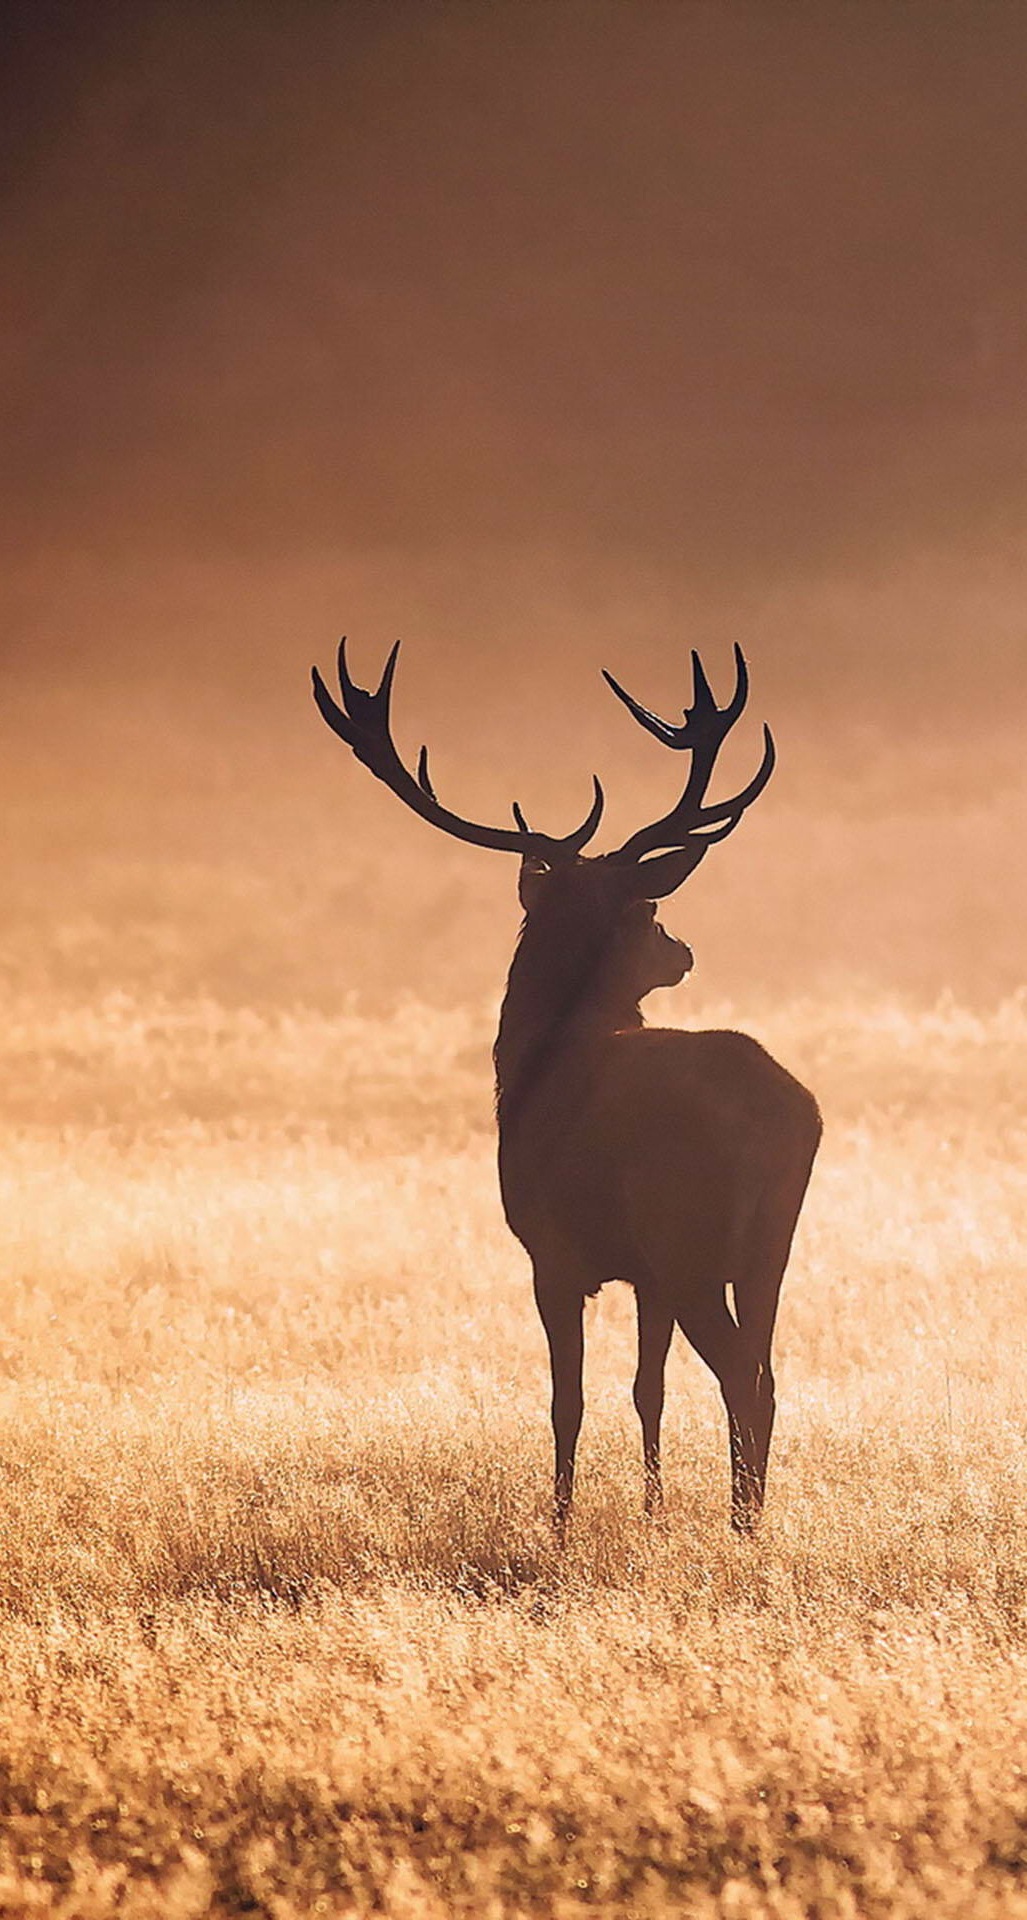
{"type": "Point", "coordinates": [675, 1160]}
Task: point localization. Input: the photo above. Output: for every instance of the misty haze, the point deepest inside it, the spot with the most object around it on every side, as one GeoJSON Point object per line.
{"type": "Point", "coordinates": [545, 339]}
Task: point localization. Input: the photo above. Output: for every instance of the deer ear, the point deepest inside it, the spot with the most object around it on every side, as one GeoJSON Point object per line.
{"type": "Point", "coordinates": [531, 879]}
{"type": "Point", "coordinates": [655, 878]}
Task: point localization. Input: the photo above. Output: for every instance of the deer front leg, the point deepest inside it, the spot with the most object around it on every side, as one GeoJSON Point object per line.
{"type": "Point", "coordinates": [562, 1316]}
{"type": "Point", "coordinates": [655, 1326]}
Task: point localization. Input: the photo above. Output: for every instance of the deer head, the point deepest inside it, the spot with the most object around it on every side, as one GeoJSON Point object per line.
{"type": "Point", "coordinates": [590, 919]}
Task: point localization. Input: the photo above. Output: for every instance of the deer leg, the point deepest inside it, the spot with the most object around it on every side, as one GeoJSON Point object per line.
{"type": "Point", "coordinates": [655, 1327]}
{"type": "Point", "coordinates": [727, 1353]}
{"type": "Point", "coordinates": [757, 1291]}
{"type": "Point", "coordinates": [764, 1408]}
{"type": "Point", "coordinates": [562, 1317]}
{"type": "Point", "coordinates": [748, 1465]}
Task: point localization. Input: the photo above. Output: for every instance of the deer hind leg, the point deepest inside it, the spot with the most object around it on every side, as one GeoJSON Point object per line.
{"type": "Point", "coordinates": [723, 1345]}
{"type": "Point", "coordinates": [757, 1329]}
{"type": "Point", "coordinates": [562, 1317]}
{"type": "Point", "coordinates": [758, 1290]}
{"type": "Point", "coordinates": [655, 1327]}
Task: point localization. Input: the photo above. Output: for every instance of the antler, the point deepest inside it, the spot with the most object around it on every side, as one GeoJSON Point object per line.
{"type": "Point", "coordinates": [363, 722]}
{"type": "Point", "coordinates": [705, 729]}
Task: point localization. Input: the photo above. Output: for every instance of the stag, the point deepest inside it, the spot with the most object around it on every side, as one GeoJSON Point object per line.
{"type": "Point", "coordinates": [676, 1161]}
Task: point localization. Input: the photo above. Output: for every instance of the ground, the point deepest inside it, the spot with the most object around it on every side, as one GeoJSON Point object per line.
{"type": "Point", "coordinates": [282, 1626]}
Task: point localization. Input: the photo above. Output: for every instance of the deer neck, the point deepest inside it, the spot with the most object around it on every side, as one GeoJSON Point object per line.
{"type": "Point", "coordinates": [556, 1006]}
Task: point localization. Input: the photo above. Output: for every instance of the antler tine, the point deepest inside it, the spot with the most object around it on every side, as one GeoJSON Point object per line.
{"type": "Point", "coordinates": [351, 693]}
{"type": "Point", "coordinates": [702, 716]}
{"type": "Point", "coordinates": [423, 776]}
{"type": "Point", "coordinates": [703, 733]}
{"type": "Point", "coordinates": [363, 723]}
{"type": "Point", "coordinates": [662, 729]}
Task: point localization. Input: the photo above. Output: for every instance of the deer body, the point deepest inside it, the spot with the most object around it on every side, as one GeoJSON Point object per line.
{"type": "Point", "coordinates": [675, 1161]}
{"type": "Point", "coordinates": [655, 1172]}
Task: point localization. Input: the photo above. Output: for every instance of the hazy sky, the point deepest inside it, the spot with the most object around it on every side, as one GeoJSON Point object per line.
{"type": "Point", "coordinates": [547, 337]}
{"type": "Point", "coordinates": [565, 332]}
{"type": "Point", "coordinates": [741, 286]}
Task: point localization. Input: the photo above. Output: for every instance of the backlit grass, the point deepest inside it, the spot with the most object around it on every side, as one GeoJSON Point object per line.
{"type": "Point", "coordinates": [282, 1626]}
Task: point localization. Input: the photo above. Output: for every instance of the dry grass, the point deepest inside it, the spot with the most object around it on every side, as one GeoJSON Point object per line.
{"type": "Point", "coordinates": [282, 1628]}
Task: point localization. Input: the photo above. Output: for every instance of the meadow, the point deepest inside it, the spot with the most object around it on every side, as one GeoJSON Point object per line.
{"type": "Point", "coordinates": [282, 1626]}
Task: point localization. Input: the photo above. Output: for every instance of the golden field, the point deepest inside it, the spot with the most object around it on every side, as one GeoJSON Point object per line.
{"type": "Point", "coordinates": [282, 1628]}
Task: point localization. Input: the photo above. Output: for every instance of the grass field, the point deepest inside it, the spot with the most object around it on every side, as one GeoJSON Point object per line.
{"type": "Point", "coordinates": [282, 1628]}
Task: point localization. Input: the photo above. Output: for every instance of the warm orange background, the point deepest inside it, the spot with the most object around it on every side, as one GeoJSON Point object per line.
{"type": "Point", "coordinates": [546, 338]}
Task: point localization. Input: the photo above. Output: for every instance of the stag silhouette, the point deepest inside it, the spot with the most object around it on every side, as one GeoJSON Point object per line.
{"type": "Point", "coordinates": [675, 1161]}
